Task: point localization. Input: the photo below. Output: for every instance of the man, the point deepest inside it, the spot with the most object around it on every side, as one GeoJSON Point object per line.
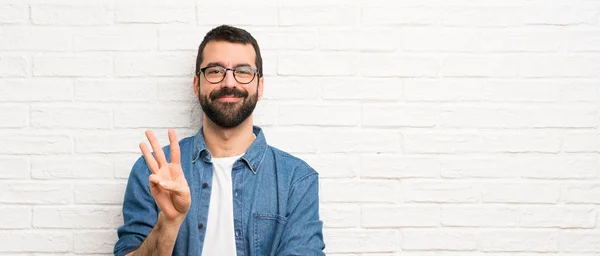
{"type": "Point", "coordinates": [224, 191]}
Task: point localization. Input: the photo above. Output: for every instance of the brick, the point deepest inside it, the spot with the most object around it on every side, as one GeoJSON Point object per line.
{"type": "Point", "coordinates": [152, 116]}
{"type": "Point", "coordinates": [391, 15]}
{"type": "Point", "coordinates": [518, 241]}
{"type": "Point", "coordinates": [246, 14]}
{"type": "Point", "coordinates": [264, 114]}
{"type": "Point", "coordinates": [71, 167]}
{"type": "Point", "coordinates": [372, 39]}
{"type": "Point", "coordinates": [76, 217]}
{"type": "Point", "coordinates": [162, 64]}
{"type": "Point", "coordinates": [35, 143]}
{"type": "Point", "coordinates": [35, 39]}
{"type": "Point", "coordinates": [153, 13]}
{"type": "Point", "coordinates": [324, 64]}
{"type": "Point", "coordinates": [291, 88]}
{"type": "Point", "coordinates": [72, 15]}
{"type": "Point", "coordinates": [94, 241]}
{"type": "Point", "coordinates": [462, 167]}
{"type": "Point", "coordinates": [580, 91]}
{"type": "Point", "coordinates": [520, 192]}
{"type": "Point", "coordinates": [579, 241]}
{"type": "Point", "coordinates": [182, 38]}
{"type": "Point", "coordinates": [521, 40]}
{"type": "Point", "coordinates": [560, 167]}
{"type": "Point", "coordinates": [14, 66]}
{"type": "Point", "coordinates": [361, 241]}
{"type": "Point", "coordinates": [436, 90]}
{"type": "Point", "coordinates": [15, 217]}
{"type": "Point", "coordinates": [78, 65]}
{"type": "Point", "coordinates": [14, 14]}
{"type": "Point", "coordinates": [123, 164]}
{"type": "Point", "coordinates": [287, 39]}
{"type": "Point", "coordinates": [479, 216]}
{"type": "Point", "coordinates": [490, 15]}
{"type": "Point", "coordinates": [36, 193]}
{"type": "Point", "coordinates": [541, 65]}
{"type": "Point", "coordinates": [440, 192]}
{"type": "Point", "coordinates": [514, 142]}
{"type": "Point", "coordinates": [14, 116]}
{"type": "Point", "coordinates": [291, 140]}
{"type": "Point", "coordinates": [557, 217]}
{"type": "Point", "coordinates": [71, 116]}
{"type": "Point", "coordinates": [431, 239]}
{"type": "Point", "coordinates": [559, 14]}
{"type": "Point", "coordinates": [334, 15]}
{"type": "Point", "coordinates": [270, 63]}
{"type": "Point", "coordinates": [582, 193]}
{"type": "Point", "coordinates": [340, 215]}
{"type": "Point", "coordinates": [581, 142]}
{"type": "Point", "coordinates": [175, 89]}
{"type": "Point", "coordinates": [115, 39]}
{"type": "Point", "coordinates": [14, 168]}
{"type": "Point", "coordinates": [322, 115]}
{"type": "Point", "coordinates": [406, 65]}
{"type": "Point", "coordinates": [122, 90]}
{"type": "Point", "coordinates": [20, 241]}
{"type": "Point", "coordinates": [360, 191]}
{"type": "Point", "coordinates": [334, 165]}
{"type": "Point", "coordinates": [519, 117]}
{"type": "Point", "coordinates": [100, 193]}
{"type": "Point", "coordinates": [398, 166]}
{"type": "Point", "coordinates": [441, 39]}
{"type": "Point", "coordinates": [359, 141]}
{"type": "Point", "coordinates": [400, 216]}
{"type": "Point", "coordinates": [523, 90]}
{"type": "Point", "coordinates": [581, 40]}
{"type": "Point", "coordinates": [441, 143]}
{"type": "Point", "coordinates": [479, 66]}
{"type": "Point", "coordinates": [36, 89]}
{"type": "Point", "coordinates": [379, 89]}
{"type": "Point", "coordinates": [110, 141]}
{"type": "Point", "coordinates": [394, 115]}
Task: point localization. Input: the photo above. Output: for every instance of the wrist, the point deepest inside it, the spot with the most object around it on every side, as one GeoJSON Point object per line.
{"type": "Point", "coordinates": [167, 224]}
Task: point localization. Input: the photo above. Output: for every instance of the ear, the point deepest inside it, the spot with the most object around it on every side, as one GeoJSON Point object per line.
{"type": "Point", "coordinates": [261, 85]}
{"type": "Point", "coordinates": [196, 86]}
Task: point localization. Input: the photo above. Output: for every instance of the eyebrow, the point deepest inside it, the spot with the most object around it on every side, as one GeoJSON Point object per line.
{"type": "Point", "coordinates": [212, 64]}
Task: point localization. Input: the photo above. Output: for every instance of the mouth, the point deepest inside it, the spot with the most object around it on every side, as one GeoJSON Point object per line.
{"type": "Point", "coordinates": [229, 98]}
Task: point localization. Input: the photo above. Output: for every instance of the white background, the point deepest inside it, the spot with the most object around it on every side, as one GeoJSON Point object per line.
{"type": "Point", "coordinates": [438, 127]}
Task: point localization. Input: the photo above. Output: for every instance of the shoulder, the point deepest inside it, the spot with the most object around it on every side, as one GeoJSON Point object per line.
{"type": "Point", "coordinates": [291, 165]}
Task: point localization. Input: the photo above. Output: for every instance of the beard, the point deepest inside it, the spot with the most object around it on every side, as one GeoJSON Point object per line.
{"type": "Point", "coordinates": [228, 114]}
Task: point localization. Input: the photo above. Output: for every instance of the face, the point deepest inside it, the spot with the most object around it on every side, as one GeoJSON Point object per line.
{"type": "Point", "coordinates": [228, 103]}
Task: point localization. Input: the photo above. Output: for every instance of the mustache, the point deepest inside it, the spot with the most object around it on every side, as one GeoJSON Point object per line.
{"type": "Point", "coordinates": [228, 92]}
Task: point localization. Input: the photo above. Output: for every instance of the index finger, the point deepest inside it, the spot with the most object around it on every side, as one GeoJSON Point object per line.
{"type": "Point", "coordinates": [158, 152]}
{"type": "Point", "coordinates": [175, 151]}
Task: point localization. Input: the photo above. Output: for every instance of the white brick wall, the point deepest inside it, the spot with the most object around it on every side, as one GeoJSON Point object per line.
{"type": "Point", "coordinates": [438, 127]}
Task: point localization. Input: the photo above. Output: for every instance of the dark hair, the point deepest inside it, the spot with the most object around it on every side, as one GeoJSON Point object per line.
{"type": "Point", "coordinates": [233, 35]}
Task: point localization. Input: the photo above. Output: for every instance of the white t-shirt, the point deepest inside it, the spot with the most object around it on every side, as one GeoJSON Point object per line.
{"type": "Point", "coordinates": [220, 238]}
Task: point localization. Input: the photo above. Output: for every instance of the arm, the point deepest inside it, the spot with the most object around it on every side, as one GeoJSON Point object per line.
{"type": "Point", "coordinates": [170, 192]}
{"type": "Point", "coordinates": [303, 233]}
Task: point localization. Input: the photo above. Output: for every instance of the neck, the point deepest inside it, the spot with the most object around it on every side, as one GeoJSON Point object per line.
{"type": "Point", "coordinates": [226, 142]}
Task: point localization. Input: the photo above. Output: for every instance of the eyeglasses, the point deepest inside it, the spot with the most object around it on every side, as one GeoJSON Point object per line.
{"type": "Point", "coordinates": [216, 74]}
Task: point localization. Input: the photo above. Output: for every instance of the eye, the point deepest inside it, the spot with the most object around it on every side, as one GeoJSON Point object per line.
{"type": "Point", "coordinates": [244, 71]}
{"type": "Point", "coordinates": [214, 70]}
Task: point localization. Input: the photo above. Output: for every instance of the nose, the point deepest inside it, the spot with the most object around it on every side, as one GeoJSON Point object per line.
{"type": "Point", "coordinates": [229, 80]}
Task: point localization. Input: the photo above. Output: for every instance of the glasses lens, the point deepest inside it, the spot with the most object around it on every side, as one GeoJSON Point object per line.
{"type": "Point", "coordinates": [244, 75]}
{"type": "Point", "coordinates": [214, 74]}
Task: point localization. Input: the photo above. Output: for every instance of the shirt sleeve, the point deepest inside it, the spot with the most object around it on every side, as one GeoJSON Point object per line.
{"type": "Point", "coordinates": [303, 234]}
{"type": "Point", "coordinates": [139, 210]}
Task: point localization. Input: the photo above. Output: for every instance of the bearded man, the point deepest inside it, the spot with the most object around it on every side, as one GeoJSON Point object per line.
{"type": "Point", "coordinates": [224, 191]}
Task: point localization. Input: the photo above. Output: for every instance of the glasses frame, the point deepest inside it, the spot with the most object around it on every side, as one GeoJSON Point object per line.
{"type": "Point", "coordinates": [225, 73]}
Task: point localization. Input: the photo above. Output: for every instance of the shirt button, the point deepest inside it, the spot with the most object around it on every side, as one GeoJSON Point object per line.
{"type": "Point", "coordinates": [204, 185]}
{"type": "Point", "coordinates": [200, 226]}
{"type": "Point", "coordinates": [237, 234]}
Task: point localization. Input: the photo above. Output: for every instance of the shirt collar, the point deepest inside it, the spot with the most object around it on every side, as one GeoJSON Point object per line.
{"type": "Point", "coordinates": [253, 156]}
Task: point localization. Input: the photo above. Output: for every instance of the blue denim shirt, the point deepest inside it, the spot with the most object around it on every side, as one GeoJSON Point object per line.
{"type": "Point", "coordinates": [275, 202]}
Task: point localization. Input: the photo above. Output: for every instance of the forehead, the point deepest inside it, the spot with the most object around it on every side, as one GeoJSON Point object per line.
{"type": "Point", "coordinates": [228, 54]}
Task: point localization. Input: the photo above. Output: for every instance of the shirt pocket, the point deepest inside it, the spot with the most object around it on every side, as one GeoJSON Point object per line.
{"type": "Point", "coordinates": [267, 232]}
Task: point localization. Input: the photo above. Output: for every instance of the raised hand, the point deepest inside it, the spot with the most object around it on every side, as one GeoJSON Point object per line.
{"type": "Point", "coordinates": [167, 182]}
